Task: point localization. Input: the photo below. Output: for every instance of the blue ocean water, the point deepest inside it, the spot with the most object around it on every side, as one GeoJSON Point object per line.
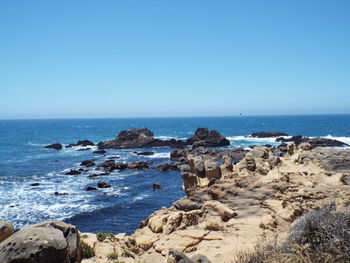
{"type": "Point", "coordinates": [23, 160]}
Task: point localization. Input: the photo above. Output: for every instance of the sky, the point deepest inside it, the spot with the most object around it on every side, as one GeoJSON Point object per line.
{"type": "Point", "coordinates": [103, 59]}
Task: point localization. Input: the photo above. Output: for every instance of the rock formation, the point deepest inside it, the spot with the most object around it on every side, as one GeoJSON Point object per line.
{"type": "Point", "coordinates": [226, 212]}
{"type": "Point", "coordinates": [48, 242]}
{"type": "Point", "coordinates": [205, 138]}
{"type": "Point", "coordinates": [138, 138]}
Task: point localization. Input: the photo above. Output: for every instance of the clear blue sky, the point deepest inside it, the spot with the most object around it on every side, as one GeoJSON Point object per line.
{"type": "Point", "coordinates": [68, 59]}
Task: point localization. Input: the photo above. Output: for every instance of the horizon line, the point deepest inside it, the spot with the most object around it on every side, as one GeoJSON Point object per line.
{"type": "Point", "coordinates": [178, 117]}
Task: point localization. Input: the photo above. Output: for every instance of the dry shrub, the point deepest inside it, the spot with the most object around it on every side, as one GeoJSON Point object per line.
{"type": "Point", "coordinates": [321, 236]}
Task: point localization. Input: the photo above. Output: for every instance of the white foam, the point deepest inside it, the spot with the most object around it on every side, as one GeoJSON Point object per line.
{"type": "Point", "coordinates": [342, 139]}
{"type": "Point", "coordinates": [158, 156]}
{"type": "Point", "coordinates": [140, 197]}
{"type": "Point", "coordinates": [254, 140]}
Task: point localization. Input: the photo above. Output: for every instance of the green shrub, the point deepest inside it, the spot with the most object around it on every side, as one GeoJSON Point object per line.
{"type": "Point", "coordinates": [102, 236]}
{"type": "Point", "coordinates": [86, 250]}
{"type": "Point", "coordinates": [132, 241]}
{"type": "Point", "coordinates": [128, 254]}
{"type": "Point", "coordinates": [112, 256]}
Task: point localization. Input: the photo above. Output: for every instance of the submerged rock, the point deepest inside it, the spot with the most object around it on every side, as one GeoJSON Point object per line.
{"type": "Point", "coordinates": [102, 184]}
{"type": "Point", "coordinates": [87, 163]}
{"type": "Point", "coordinates": [268, 134]}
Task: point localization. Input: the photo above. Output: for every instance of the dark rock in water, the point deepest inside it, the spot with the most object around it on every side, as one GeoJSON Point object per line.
{"type": "Point", "coordinates": [100, 151]}
{"type": "Point", "coordinates": [138, 165]}
{"type": "Point", "coordinates": [34, 184]}
{"type": "Point", "coordinates": [156, 186]}
{"type": "Point", "coordinates": [84, 149]}
{"type": "Point", "coordinates": [268, 134]}
{"type": "Point", "coordinates": [113, 157]}
{"type": "Point", "coordinates": [87, 163]}
{"type": "Point", "coordinates": [296, 139]}
{"type": "Point", "coordinates": [206, 138]}
{"type": "Point", "coordinates": [56, 146]}
{"type": "Point", "coordinates": [323, 142]}
{"type": "Point", "coordinates": [314, 142]}
{"type": "Point", "coordinates": [48, 242]}
{"type": "Point", "coordinates": [90, 188]}
{"type": "Point", "coordinates": [102, 184]}
{"type": "Point", "coordinates": [60, 193]}
{"type": "Point", "coordinates": [72, 172]}
{"type": "Point", "coordinates": [144, 153]}
{"type": "Point", "coordinates": [167, 167]}
{"type": "Point", "coordinates": [138, 138]}
{"type": "Point", "coordinates": [93, 176]}
{"type": "Point", "coordinates": [85, 143]}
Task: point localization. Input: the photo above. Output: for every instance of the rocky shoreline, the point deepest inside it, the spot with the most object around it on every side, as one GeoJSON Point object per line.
{"type": "Point", "coordinates": [234, 199]}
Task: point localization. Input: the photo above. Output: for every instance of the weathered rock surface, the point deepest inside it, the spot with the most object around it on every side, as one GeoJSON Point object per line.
{"type": "Point", "coordinates": [48, 242]}
{"type": "Point", "coordinates": [56, 146]}
{"type": "Point", "coordinates": [245, 206]}
{"type": "Point", "coordinates": [268, 134]}
{"type": "Point", "coordinates": [6, 230]}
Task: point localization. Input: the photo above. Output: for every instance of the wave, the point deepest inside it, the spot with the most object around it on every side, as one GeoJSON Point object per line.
{"type": "Point", "coordinates": [342, 139]}
{"type": "Point", "coordinates": [158, 156]}
{"type": "Point", "coordinates": [140, 197]}
{"type": "Point", "coordinates": [164, 138]}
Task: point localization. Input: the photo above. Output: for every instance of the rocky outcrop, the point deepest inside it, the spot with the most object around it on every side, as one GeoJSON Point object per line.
{"type": "Point", "coordinates": [236, 154]}
{"type": "Point", "coordinates": [139, 138]}
{"type": "Point", "coordinates": [55, 146]}
{"type": "Point", "coordinates": [314, 142]}
{"type": "Point", "coordinates": [111, 165]}
{"type": "Point", "coordinates": [144, 138]}
{"type": "Point", "coordinates": [268, 134]}
{"type": "Point", "coordinates": [205, 138]}
{"type": "Point", "coordinates": [48, 242]}
{"type": "Point", "coordinates": [248, 204]}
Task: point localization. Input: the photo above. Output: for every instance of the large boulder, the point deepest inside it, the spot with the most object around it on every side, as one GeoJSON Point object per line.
{"type": "Point", "coordinates": [206, 138]}
{"type": "Point", "coordinates": [6, 230]}
{"type": "Point", "coordinates": [268, 134]}
{"type": "Point", "coordinates": [48, 242]}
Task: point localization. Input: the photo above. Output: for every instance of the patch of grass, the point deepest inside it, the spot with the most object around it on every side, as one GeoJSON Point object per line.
{"type": "Point", "coordinates": [84, 236]}
{"type": "Point", "coordinates": [328, 174]}
{"type": "Point", "coordinates": [86, 250]}
{"type": "Point", "coordinates": [128, 254]}
{"type": "Point", "coordinates": [132, 241]}
{"type": "Point", "coordinates": [112, 256]}
{"type": "Point", "coordinates": [102, 236]}
{"type": "Point", "coordinates": [262, 172]}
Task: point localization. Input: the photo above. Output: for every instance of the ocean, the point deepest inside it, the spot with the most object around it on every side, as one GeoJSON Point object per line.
{"type": "Point", "coordinates": [24, 161]}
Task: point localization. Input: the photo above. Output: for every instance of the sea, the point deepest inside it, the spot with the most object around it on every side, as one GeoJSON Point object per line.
{"type": "Point", "coordinates": [24, 161]}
